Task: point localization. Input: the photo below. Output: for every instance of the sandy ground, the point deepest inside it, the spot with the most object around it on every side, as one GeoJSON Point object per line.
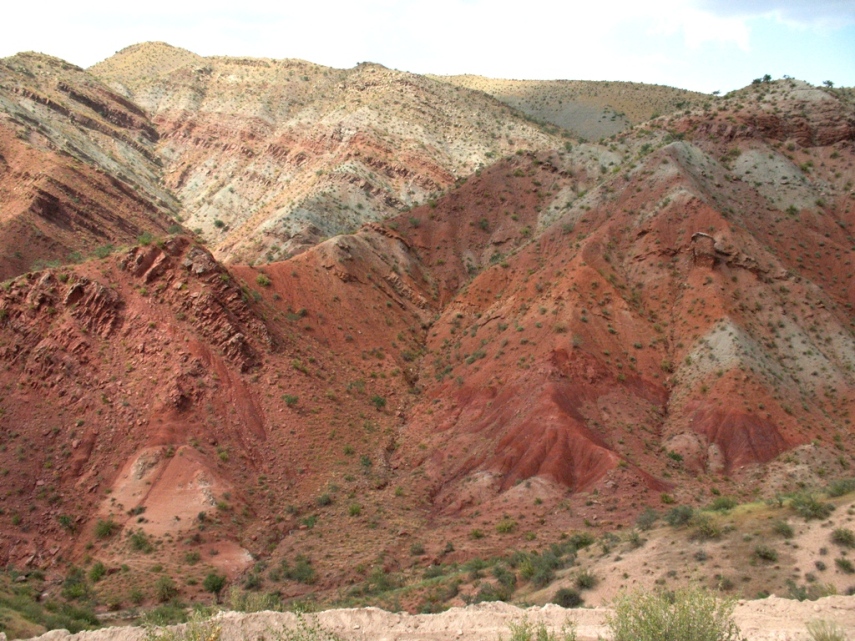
{"type": "Point", "coordinates": [765, 620]}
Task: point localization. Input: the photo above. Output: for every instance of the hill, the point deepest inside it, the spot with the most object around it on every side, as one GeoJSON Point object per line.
{"type": "Point", "coordinates": [502, 369]}
{"type": "Point", "coordinates": [78, 166]}
{"type": "Point", "coordinates": [588, 109]}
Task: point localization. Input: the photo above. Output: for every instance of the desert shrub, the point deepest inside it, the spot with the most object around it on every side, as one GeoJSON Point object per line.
{"type": "Point", "coordinates": [324, 499]}
{"type": "Point", "coordinates": [585, 580]}
{"type": "Point", "coordinates": [241, 601]}
{"type": "Point", "coordinates": [197, 628]}
{"type": "Point", "coordinates": [568, 598]}
{"type": "Point", "coordinates": [844, 565]}
{"type": "Point", "coordinates": [140, 542]}
{"type": "Point", "coordinates": [302, 570]}
{"type": "Point", "coordinates": [690, 614]}
{"type": "Point", "coordinates": [506, 526]}
{"type": "Point", "coordinates": [74, 586]}
{"type": "Point", "coordinates": [646, 519]}
{"type": "Point", "coordinates": [825, 631]}
{"type": "Point", "coordinates": [679, 516]}
{"type": "Point", "coordinates": [525, 630]}
{"type": "Point", "coordinates": [165, 614]}
{"type": "Point", "coordinates": [844, 537]}
{"type": "Point", "coordinates": [723, 504]}
{"type": "Point", "coordinates": [809, 507]}
{"type": "Point", "coordinates": [305, 630]}
{"type": "Point", "coordinates": [840, 487]}
{"type": "Point", "coordinates": [165, 589]}
{"type": "Point", "coordinates": [505, 576]}
{"type": "Point", "coordinates": [105, 528]}
{"type": "Point", "coordinates": [784, 529]}
{"type": "Point", "coordinates": [263, 280]}
{"type": "Point", "coordinates": [417, 549]}
{"type": "Point", "coordinates": [97, 572]}
{"type": "Point", "coordinates": [765, 553]}
{"type": "Point", "coordinates": [705, 528]}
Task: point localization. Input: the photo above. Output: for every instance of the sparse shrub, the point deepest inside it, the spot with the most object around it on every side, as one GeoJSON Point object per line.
{"type": "Point", "coordinates": [840, 487]}
{"type": "Point", "coordinates": [679, 515]}
{"type": "Point", "coordinates": [825, 631]}
{"type": "Point", "coordinates": [844, 565]}
{"type": "Point", "coordinates": [263, 280]}
{"type": "Point", "coordinates": [378, 401]}
{"type": "Point", "coordinates": [783, 529]}
{"type": "Point", "coordinates": [844, 537]}
{"type": "Point", "coordinates": [306, 630]}
{"type": "Point", "coordinates": [506, 526]}
{"type": "Point", "coordinates": [527, 631]}
{"type": "Point", "coordinates": [723, 504]}
{"type": "Point", "coordinates": [417, 549]}
{"type": "Point", "coordinates": [765, 553]}
{"type": "Point", "coordinates": [145, 239]}
{"type": "Point", "coordinates": [197, 628]}
{"type": "Point", "coordinates": [809, 507]}
{"type": "Point", "coordinates": [105, 528]}
{"type": "Point", "coordinates": [324, 500]}
{"type": "Point", "coordinates": [705, 528]}
{"type": "Point", "coordinates": [568, 598]}
{"type": "Point", "coordinates": [165, 589]}
{"type": "Point", "coordinates": [585, 580]}
{"type": "Point", "coordinates": [690, 614]}
{"type": "Point", "coordinates": [97, 572]}
{"type": "Point", "coordinates": [646, 519]}
{"type": "Point", "coordinates": [140, 542]}
{"type": "Point", "coordinates": [354, 509]}
{"type": "Point", "coordinates": [302, 570]}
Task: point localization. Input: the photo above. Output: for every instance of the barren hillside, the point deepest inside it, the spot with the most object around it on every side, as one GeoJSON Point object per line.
{"type": "Point", "coordinates": [588, 109]}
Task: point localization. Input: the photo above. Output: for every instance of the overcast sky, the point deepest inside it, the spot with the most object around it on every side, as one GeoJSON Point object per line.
{"type": "Point", "coordinates": [704, 45]}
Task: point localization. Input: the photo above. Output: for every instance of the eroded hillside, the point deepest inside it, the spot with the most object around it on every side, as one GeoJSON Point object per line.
{"type": "Point", "coordinates": [78, 166]}
{"type": "Point", "coordinates": [561, 338]}
{"type": "Point", "coordinates": [271, 156]}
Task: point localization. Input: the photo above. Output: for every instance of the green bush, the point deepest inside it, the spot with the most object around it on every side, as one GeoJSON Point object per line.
{"type": "Point", "coordinates": [198, 628]}
{"type": "Point", "coordinates": [844, 537]}
{"type": "Point", "coordinates": [585, 580]}
{"type": "Point", "coordinates": [302, 570]}
{"type": "Point", "coordinates": [784, 529]}
{"type": "Point", "coordinates": [723, 504]}
{"type": "Point", "coordinates": [809, 507]}
{"type": "Point", "coordinates": [646, 519]}
{"type": "Point", "coordinates": [765, 553]}
{"type": "Point", "coordinates": [105, 528]}
{"type": "Point", "coordinates": [97, 572]}
{"type": "Point", "coordinates": [690, 614]}
{"type": "Point", "coordinates": [140, 542]}
{"type": "Point", "coordinates": [165, 589]}
{"type": "Point", "coordinates": [263, 280]}
{"type": "Point", "coordinates": [679, 515]}
{"type": "Point", "coordinates": [214, 583]}
{"type": "Point", "coordinates": [568, 598]}
{"type": "Point", "coordinates": [841, 487]}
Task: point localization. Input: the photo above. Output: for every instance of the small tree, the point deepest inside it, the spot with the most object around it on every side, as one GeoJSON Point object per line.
{"type": "Point", "coordinates": [214, 583]}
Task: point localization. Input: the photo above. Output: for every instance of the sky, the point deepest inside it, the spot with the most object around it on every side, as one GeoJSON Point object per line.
{"type": "Point", "coordinates": [703, 45]}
